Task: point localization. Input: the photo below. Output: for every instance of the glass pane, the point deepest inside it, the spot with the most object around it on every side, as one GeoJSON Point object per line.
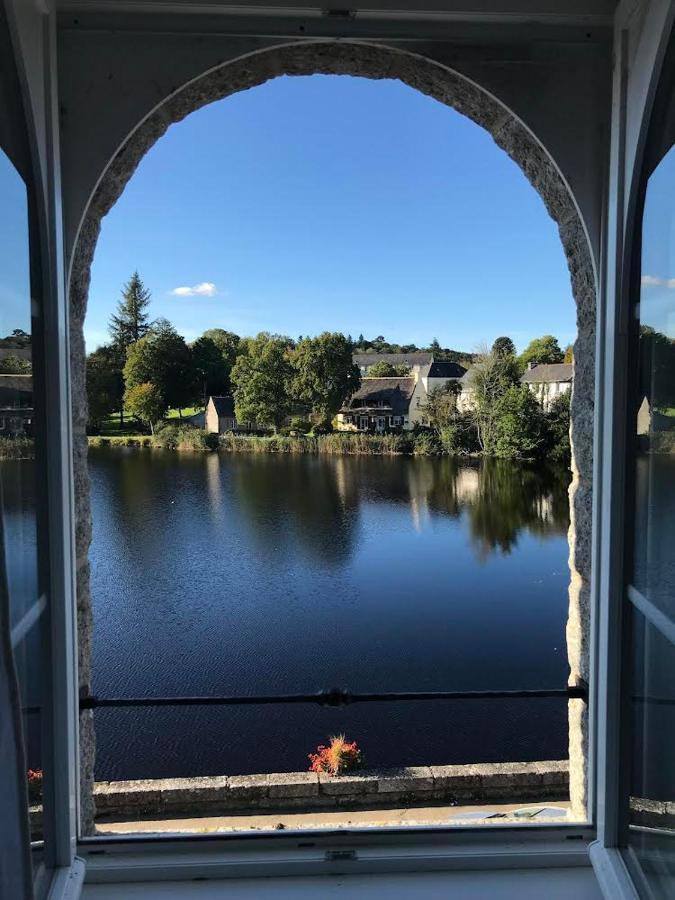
{"type": "Point", "coordinates": [651, 836]}
{"type": "Point", "coordinates": [654, 573]}
{"type": "Point", "coordinates": [652, 781]}
{"type": "Point", "coordinates": [17, 468]}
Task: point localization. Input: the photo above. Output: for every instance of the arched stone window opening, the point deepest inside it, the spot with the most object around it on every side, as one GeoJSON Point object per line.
{"type": "Point", "coordinates": [509, 133]}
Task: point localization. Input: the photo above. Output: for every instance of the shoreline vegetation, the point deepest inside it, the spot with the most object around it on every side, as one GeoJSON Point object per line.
{"type": "Point", "coordinates": [421, 443]}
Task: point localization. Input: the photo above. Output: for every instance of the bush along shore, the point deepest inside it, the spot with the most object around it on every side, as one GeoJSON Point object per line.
{"type": "Point", "coordinates": [422, 442]}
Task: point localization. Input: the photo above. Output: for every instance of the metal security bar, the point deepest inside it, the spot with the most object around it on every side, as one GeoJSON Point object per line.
{"type": "Point", "coordinates": [335, 697]}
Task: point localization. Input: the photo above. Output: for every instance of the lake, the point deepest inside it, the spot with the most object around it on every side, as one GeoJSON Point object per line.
{"type": "Point", "coordinates": [270, 574]}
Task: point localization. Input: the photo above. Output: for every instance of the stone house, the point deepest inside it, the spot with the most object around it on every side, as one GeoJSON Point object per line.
{"type": "Point", "coordinates": [395, 402]}
{"type": "Point", "coordinates": [220, 415]}
{"type": "Point", "coordinates": [548, 381]}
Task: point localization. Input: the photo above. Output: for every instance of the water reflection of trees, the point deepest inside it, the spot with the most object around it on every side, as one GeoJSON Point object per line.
{"type": "Point", "coordinates": [501, 499]}
{"type": "Point", "coordinates": [291, 504]}
{"type": "Point", "coordinates": [307, 503]}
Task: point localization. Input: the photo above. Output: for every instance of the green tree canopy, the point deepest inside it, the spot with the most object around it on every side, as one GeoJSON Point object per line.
{"type": "Point", "coordinates": [130, 323]}
{"type": "Point", "coordinates": [324, 374]}
{"type": "Point", "coordinates": [491, 377]}
{"type": "Point", "coordinates": [261, 379]}
{"type": "Point", "coordinates": [569, 353]}
{"type": "Point", "coordinates": [384, 369]}
{"type": "Point", "coordinates": [441, 406]}
{"type": "Point", "coordinates": [146, 403]}
{"type": "Point", "coordinates": [210, 367]}
{"type": "Point", "coordinates": [504, 346]}
{"type": "Point", "coordinates": [163, 358]}
{"type": "Point", "coordinates": [227, 342]}
{"type": "Point", "coordinates": [519, 427]}
{"type": "Point", "coordinates": [105, 383]}
{"type": "Point", "coordinates": [541, 350]}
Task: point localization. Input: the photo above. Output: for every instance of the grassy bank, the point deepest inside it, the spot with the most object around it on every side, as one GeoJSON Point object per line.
{"type": "Point", "coordinates": [186, 438]}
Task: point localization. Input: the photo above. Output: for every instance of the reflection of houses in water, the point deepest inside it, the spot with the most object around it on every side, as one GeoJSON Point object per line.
{"type": "Point", "coordinates": [16, 405]}
{"type": "Point", "coordinates": [467, 484]}
{"type": "Point", "coordinates": [214, 485]}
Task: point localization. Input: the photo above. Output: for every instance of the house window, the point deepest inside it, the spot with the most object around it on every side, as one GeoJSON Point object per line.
{"type": "Point", "coordinates": [649, 757]}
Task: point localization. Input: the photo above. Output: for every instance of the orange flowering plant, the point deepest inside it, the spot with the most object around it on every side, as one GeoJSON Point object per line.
{"type": "Point", "coordinates": [34, 785]}
{"type": "Point", "coordinates": [338, 757]}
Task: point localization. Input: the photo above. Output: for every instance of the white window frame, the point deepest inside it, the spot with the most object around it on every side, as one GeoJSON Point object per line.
{"type": "Point", "coordinates": [417, 848]}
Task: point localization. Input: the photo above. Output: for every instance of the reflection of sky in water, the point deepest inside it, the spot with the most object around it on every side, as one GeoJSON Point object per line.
{"type": "Point", "coordinates": [657, 299]}
{"type": "Point", "coordinates": [14, 267]}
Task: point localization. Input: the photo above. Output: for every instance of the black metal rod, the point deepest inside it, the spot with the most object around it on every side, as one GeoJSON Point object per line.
{"type": "Point", "coordinates": [333, 697]}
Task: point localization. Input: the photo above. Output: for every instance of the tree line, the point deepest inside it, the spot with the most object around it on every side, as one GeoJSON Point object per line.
{"type": "Point", "coordinates": [502, 417]}
{"type": "Point", "coordinates": [148, 368]}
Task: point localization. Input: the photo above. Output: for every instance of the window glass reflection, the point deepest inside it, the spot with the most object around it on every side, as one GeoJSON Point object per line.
{"type": "Point", "coordinates": [18, 526]}
{"type": "Point", "coordinates": [652, 770]}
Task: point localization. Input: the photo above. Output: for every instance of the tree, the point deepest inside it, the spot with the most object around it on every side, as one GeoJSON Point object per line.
{"type": "Point", "coordinates": [105, 383]}
{"type": "Point", "coordinates": [130, 323]}
{"type": "Point", "coordinates": [558, 429]}
{"type": "Point", "coordinates": [324, 374]}
{"type": "Point", "coordinates": [569, 353]}
{"type": "Point", "coordinates": [261, 378]}
{"type": "Point", "coordinates": [519, 426]}
{"type": "Point", "coordinates": [541, 350]}
{"type": "Point", "coordinates": [227, 342]}
{"type": "Point", "coordinates": [384, 369]}
{"type": "Point", "coordinates": [146, 402]}
{"type": "Point", "coordinates": [441, 406]}
{"type": "Point", "coordinates": [163, 358]}
{"type": "Point", "coordinates": [491, 377]}
{"type": "Point", "coordinates": [15, 365]}
{"type": "Point", "coordinates": [434, 346]}
{"type": "Point", "coordinates": [504, 346]}
{"type": "Point", "coordinates": [210, 367]}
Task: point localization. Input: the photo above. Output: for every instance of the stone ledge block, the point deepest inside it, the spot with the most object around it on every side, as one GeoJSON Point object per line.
{"type": "Point", "coordinates": [347, 785]}
{"type": "Point", "coordinates": [409, 779]}
{"type": "Point", "coordinates": [248, 787]}
{"type": "Point", "coordinates": [293, 784]}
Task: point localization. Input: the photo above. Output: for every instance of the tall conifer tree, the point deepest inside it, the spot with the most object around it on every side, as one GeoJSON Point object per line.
{"type": "Point", "coordinates": [130, 323]}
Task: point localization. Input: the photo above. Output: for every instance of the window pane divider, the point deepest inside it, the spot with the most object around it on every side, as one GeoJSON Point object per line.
{"type": "Point", "coordinates": [652, 613]}
{"type": "Point", "coordinates": [26, 622]}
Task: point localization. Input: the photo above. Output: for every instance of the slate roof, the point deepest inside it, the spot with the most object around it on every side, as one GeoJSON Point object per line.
{"type": "Point", "coordinates": [395, 393]}
{"type": "Point", "coordinates": [394, 359]}
{"type": "Point", "coordinates": [224, 407]}
{"type": "Point", "coordinates": [443, 369]}
{"type": "Point", "coordinates": [548, 373]}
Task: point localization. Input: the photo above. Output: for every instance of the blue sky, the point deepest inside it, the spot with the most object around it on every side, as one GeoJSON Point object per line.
{"type": "Point", "coordinates": [14, 263]}
{"type": "Point", "coordinates": [657, 299]}
{"type": "Point", "coordinates": [336, 203]}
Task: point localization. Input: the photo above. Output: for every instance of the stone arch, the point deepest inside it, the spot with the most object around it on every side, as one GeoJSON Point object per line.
{"type": "Point", "coordinates": [374, 61]}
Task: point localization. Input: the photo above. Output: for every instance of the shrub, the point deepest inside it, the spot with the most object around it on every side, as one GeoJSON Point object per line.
{"type": "Point", "coordinates": [425, 444]}
{"type": "Point", "coordinates": [338, 757]}
{"type": "Point", "coordinates": [300, 425]}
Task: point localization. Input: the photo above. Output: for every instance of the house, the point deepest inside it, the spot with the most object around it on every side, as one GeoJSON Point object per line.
{"type": "Point", "coordinates": [396, 401]}
{"type": "Point", "coordinates": [414, 361]}
{"type": "Point", "coordinates": [16, 405]}
{"type": "Point", "coordinates": [220, 415]}
{"type": "Point", "coordinates": [378, 405]}
{"type": "Point", "coordinates": [548, 381]}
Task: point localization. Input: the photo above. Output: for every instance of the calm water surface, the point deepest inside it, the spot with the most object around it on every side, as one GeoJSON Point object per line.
{"type": "Point", "coordinates": [221, 574]}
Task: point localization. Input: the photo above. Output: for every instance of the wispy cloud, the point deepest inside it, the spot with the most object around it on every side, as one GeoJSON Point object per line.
{"type": "Point", "coordinates": [203, 289]}
{"type": "Point", "coordinates": [655, 281]}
